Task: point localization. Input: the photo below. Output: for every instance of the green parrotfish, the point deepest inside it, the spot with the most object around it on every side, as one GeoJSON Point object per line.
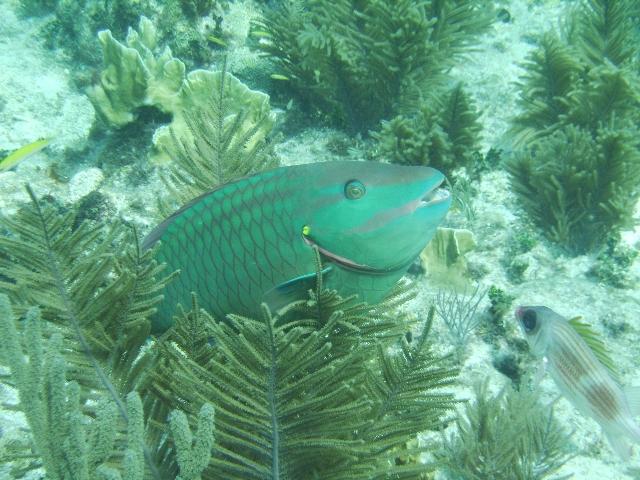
{"type": "Point", "coordinates": [252, 240]}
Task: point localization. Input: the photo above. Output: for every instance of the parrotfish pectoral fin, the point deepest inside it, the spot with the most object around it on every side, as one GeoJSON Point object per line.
{"type": "Point", "coordinates": [302, 279]}
{"type": "Point", "coordinates": [293, 289]}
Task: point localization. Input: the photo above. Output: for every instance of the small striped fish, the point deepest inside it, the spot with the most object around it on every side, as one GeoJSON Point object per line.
{"type": "Point", "coordinates": [581, 377]}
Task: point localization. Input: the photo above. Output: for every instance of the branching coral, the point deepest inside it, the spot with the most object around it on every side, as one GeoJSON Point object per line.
{"type": "Point", "coordinates": [69, 445]}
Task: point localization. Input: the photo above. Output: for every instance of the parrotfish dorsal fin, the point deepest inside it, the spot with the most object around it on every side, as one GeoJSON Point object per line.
{"type": "Point", "coordinates": [595, 343]}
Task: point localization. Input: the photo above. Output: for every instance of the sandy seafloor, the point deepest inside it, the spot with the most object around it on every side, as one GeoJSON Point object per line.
{"type": "Point", "coordinates": [37, 99]}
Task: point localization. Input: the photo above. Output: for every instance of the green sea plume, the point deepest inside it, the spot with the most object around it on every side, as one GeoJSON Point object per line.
{"type": "Point", "coordinates": [325, 387]}
{"type": "Point", "coordinates": [218, 133]}
{"type": "Point", "coordinates": [443, 132]}
{"type": "Point", "coordinates": [576, 169]}
{"type": "Point", "coordinates": [313, 391]}
{"type": "Point", "coordinates": [359, 62]}
{"type": "Point", "coordinates": [506, 436]}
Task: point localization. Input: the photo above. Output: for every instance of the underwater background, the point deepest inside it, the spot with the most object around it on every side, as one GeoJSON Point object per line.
{"type": "Point", "coordinates": [115, 113]}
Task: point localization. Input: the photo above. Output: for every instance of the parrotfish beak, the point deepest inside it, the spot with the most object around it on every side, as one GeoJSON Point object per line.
{"type": "Point", "coordinates": [436, 197]}
{"type": "Point", "coordinates": [400, 232]}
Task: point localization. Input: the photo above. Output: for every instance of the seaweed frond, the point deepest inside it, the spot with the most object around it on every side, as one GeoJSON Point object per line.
{"type": "Point", "coordinates": [551, 72]}
{"type": "Point", "coordinates": [314, 393]}
{"type": "Point", "coordinates": [605, 31]}
{"type": "Point", "coordinates": [219, 136]}
{"type": "Point", "coordinates": [510, 435]}
{"type": "Point", "coordinates": [100, 300]}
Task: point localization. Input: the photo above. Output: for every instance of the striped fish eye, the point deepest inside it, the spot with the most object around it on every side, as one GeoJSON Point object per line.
{"type": "Point", "coordinates": [529, 320]}
{"type": "Point", "coordinates": [354, 189]}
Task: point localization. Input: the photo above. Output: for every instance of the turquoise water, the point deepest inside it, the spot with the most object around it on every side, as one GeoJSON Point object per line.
{"type": "Point", "coordinates": [118, 113]}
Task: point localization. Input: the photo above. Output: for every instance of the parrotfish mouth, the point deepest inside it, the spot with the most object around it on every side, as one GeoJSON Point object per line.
{"type": "Point", "coordinates": [435, 196]}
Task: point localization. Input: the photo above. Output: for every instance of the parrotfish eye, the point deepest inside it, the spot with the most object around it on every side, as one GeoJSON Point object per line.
{"type": "Point", "coordinates": [529, 320]}
{"type": "Point", "coordinates": [354, 190]}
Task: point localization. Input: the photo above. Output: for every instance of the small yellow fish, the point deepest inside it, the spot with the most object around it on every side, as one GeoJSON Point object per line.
{"type": "Point", "coordinates": [23, 153]}
{"type": "Point", "coordinates": [216, 40]}
{"type": "Point", "coordinates": [277, 76]}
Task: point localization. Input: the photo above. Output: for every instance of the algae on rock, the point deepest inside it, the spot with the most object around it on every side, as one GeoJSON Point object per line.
{"type": "Point", "coordinates": [183, 25]}
{"type": "Point", "coordinates": [71, 25]}
{"type": "Point", "coordinates": [444, 257]}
